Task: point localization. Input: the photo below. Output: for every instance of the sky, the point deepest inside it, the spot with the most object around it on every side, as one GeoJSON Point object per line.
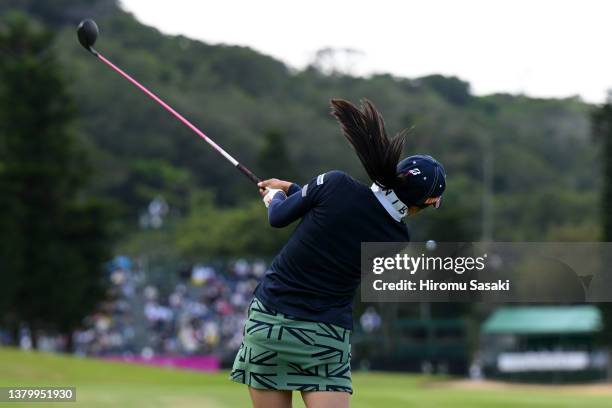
{"type": "Point", "coordinates": [540, 48]}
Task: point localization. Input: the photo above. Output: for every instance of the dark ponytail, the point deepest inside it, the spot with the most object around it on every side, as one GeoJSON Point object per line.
{"type": "Point", "coordinates": [365, 130]}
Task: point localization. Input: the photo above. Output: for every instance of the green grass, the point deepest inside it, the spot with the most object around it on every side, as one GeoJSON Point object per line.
{"type": "Point", "coordinates": [104, 384]}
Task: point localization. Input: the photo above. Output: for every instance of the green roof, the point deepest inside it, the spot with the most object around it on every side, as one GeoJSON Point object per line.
{"type": "Point", "coordinates": [543, 320]}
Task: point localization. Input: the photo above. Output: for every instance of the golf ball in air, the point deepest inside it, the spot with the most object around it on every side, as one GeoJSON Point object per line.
{"type": "Point", "coordinates": [431, 245]}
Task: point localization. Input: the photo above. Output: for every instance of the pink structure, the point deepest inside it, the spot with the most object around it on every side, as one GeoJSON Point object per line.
{"type": "Point", "coordinates": [195, 363]}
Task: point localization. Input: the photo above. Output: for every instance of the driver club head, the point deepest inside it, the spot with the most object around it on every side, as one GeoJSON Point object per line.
{"type": "Point", "coordinates": [87, 32]}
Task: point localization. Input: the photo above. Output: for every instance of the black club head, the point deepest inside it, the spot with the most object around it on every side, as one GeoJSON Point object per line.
{"type": "Point", "coordinates": [87, 31]}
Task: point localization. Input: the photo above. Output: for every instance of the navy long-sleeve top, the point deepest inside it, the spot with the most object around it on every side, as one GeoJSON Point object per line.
{"type": "Point", "coordinates": [315, 275]}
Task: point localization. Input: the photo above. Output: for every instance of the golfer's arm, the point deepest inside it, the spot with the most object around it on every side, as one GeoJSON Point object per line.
{"type": "Point", "coordinates": [293, 188]}
{"type": "Point", "coordinates": [283, 210]}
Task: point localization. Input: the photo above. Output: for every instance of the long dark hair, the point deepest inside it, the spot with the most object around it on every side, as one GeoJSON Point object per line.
{"type": "Point", "coordinates": [365, 130]}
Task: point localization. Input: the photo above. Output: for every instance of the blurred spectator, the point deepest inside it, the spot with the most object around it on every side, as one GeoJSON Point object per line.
{"type": "Point", "coordinates": [202, 313]}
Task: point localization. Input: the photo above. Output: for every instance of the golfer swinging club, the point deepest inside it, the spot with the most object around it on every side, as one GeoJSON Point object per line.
{"type": "Point", "coordinates": [296, 337]}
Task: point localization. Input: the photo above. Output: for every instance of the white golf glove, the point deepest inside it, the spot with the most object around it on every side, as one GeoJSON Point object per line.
{"type": "Point", "coordinates": [270, 194]}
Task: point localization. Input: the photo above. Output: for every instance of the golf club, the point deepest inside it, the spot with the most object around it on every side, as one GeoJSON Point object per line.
{"type": "Point", "coordinates": [87, 32]}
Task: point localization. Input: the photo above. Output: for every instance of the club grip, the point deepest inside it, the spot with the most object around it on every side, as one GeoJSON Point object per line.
{"type": "Point", "coordinates": [248, 173]}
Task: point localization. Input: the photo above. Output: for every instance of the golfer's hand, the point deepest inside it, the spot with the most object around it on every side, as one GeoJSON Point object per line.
{"type": "Point", "coordinates": [273, 184]}
{"type": "Point", "coordinates": [271, 192]}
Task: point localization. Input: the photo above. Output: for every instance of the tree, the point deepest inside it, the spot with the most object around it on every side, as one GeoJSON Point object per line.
{"type": "Point", "coordinates": [215, 232]}
{"type": "Point", "coordinates": [452, 89]}
{"type": "Point", "coordinates": [602, 130]}
{"type": "Point", "coordinates": [54, 238]}
{"type": "Point", "coordinates": [275, 158]}
{"type": "Point", "coordinates": [58, 12]}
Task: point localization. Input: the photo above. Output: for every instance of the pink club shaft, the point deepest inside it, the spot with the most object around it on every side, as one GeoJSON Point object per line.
{"type": "Point", "coordinates": [180, 117]}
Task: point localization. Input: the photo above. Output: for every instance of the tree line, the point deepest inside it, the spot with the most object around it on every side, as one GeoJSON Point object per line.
{"type": "Point", "coordinates": [82, 154]}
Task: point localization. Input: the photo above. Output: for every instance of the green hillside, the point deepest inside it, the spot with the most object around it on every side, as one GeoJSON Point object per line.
{"type": "Point", "coordinates": [102, 384]}
{"type": "Point", "coordinates": [529, 153]}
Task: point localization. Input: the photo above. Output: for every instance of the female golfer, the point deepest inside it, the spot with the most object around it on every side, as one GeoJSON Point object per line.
{"type": "Point", "coordinates": [296, 337]}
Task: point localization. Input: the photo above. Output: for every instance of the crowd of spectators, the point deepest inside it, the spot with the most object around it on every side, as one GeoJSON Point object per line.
{"type": "Point", "coordinates": [201, 311]}
{"type": "Point", "coordinates": [198, 310]}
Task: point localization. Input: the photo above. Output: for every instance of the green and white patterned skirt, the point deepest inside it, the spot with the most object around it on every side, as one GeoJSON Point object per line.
{"type": "Point", "coordinates": [280, 352]}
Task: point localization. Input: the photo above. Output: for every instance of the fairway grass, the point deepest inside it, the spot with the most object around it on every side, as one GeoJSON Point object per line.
{"type": "Point", "coordinates": [104, 384]}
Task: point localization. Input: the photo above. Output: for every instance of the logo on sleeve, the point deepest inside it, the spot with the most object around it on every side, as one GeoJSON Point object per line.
{"type": "Point", "coordinates": [320, 179]}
